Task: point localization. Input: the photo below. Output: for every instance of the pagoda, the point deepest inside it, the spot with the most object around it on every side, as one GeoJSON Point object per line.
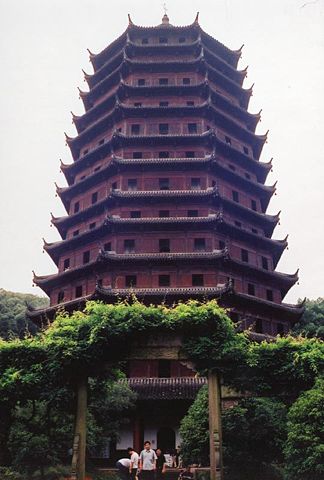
{"type": "Point", "coordinates": [166, 196]}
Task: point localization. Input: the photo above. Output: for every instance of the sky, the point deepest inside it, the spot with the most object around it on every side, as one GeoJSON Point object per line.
{"type": "Point", "coordinates": [42, 53]}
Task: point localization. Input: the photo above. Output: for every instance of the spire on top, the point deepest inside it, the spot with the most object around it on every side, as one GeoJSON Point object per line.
{"type": "Point", "coordinates": [165, 18]}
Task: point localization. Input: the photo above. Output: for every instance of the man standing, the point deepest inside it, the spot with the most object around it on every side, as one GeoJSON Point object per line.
{"type": "Point", "coordinates": [133, 462]}
{"type": "Point", "coordinates": [147, 464]}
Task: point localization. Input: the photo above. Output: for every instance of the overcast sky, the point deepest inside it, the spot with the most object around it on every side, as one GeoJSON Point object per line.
{"type": "Point", "coordinates": [43, 49]}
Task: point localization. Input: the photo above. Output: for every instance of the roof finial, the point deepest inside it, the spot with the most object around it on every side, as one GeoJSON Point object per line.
{"type": "Point", "coordinates": [165, 18]}
{"type": "Point", "coordinates": [197, 18]}
{"type": "Point", "coordinates": [129, 20]}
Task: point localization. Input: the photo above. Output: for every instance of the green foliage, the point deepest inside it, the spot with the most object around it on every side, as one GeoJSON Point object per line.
{"type": "Point", "coordinates": [304, 449]}
{"type": "Point", "coordinates": [194, 431]}
{"type": "Point", "coordinates": [13, 320]}
{"type": "Point", "coordinates": [311, 323]}
{"type": "Point", "coordinates": [9, 474]}
{"type": "Point", "coordinates": [254, 432]}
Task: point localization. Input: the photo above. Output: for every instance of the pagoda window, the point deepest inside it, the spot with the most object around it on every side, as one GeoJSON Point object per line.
{"type": "Point", "coordinates": [107, 247]}
{"type": "Point", "coordinates": [235, 196]}
{"type": "Point", "coordinates": [258, 325]}
{"type": "Point", "coordinates": [280, 328]}
{"type": "Point", "coordinates": [254, 230]}
{"type": "Point", "coordinates": [86, 257]}
{"type": "Point", "coordinates": [94, 198]}
{"type": "Point", "coordinates": [186, 81]}
{"type": "Point", "coordinates": [163, 81]}
{"type": "Point", "coordinates": [99, 282]}
{"type": "Point", "coordinates": [254, 205]}
{"type": "Point", "coordinates": [92, 225]}
{"type": "Point", "coordinates": [145, 41]}
{"type": "Point", "coordinates": [199, 244]}
{"type": "Point", "coordinates": [164, 368]}
{"type": "Point", "coordinates": [269, 294]}
{"type": "Point", "coordinates": [232, 167]}
{"type": "Point", "coordinates": [163, 128]}
{"type": "Point", "coordinates": [228, 140]}
{"type": "Point", "coordinates": [246, 150]}
{"type": "Point", "coordinates": [164, 280]}
{"type": "Point", "coordinates": [85, 151]}
{"type": "Point", "coordinates": [197, 280]}
{"type": "Point", "coordinates": [66, 264]}
{"type": "Point", "coordinates": [192, 128]}
{"type": "Point", "coordinates": [192, 213]}
{"type": "Point", "coordinates": [195, 184]}
{"type": "Point", "coordinates": [75, 233]}
{"type": "Point", "coordinates": [247, 175]}
{"type": "Point", "coordinates": [137, 155]}
{"type": "Point", "coordinates": [164, 184]}
{"type": "Point", "coordinates": [190, 103]}
{"type": "Point", "coordinates": [78, 291]}
{"type": "Point", "coordinates": [141, 82]}
{"type": "Point", "coordinates": [76, 207]}
{"type": "Point", "coordinates": [190, 154]}
{"type": "Point", "coordinates": [244, 255]}
{"type": "Point", "coordinates": [83, 177]}
{"type": "Point", "coordinates": [135, 129]}
{"type": "Point", "coordinates": [251, 289]}
{"type": "Point", "coordinates": [182, 39]}
{"type": "Point", "coordinates": [129, 246]}
{"type": "Point", "coordinates": [114, 186]}
{"type": "Point", "coordinates": [265, 263]}
{"type": "Point", "coordinates": [130, 281]}
{"type": "Point", "coordinates": [237, 223]}
{"type": "Point", "coordinates": [163, 40]}
{"type": "Point", "coordinates": [221, 244]}
{"type": "Point", "coordinates": [132, 184]}
{"type": "Point", "coordinates": [164, 104]}
{"type": "Point", "coordinates": [101, 142]}
{"type": "Point", "coordinates": [164, 213]}
{"type": "Point", "coordinates": [60, 296]}
{"type": "Point", "coordinates": [135, 214]}
{"type": "Point", "coordinates": [137, 104]}
{"type": "Point", "coordinates": [164, 154]}
{"type": "Point", "coordinates": [164, 245]}
{"type": "Point", "coordinates": [96, 169]}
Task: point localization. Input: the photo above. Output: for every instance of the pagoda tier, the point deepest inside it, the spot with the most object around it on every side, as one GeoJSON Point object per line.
{"type": "Point", "coordinates": [166, 196]}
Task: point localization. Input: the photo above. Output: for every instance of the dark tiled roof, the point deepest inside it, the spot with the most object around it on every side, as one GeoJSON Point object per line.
{"type": "Point", "coordinates": [178, 388]}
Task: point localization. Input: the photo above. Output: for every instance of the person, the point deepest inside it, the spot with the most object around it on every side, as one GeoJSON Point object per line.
{"type": "Point", "coordinates": [147, 463]}
{"type": "Point", "coordinates": [160, 464]}
{"type": "Point", "coordinates": [134, 457]}
{"type": "Point", "coordinates": [178, 457]}
{"type": "Point", "coordinates": [186, 474]}
{"type": "Point", "coordinates": [123, 466]}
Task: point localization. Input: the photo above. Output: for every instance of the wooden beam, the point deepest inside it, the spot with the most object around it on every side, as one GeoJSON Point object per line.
{"type": "Point", "coordinates": [215, 427]}
{"type": "Point", "coordinates": [80, 432]}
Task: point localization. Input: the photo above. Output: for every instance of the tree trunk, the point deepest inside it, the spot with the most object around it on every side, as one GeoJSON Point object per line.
{"type": "Point", "coordinates": [79, 444]}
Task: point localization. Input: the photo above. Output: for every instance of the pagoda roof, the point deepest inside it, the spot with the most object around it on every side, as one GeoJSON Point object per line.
{"type": "Point", "coordinates": [207, 108]}
{"type": "Point", "coordinates": [177, 388]}
{"type": "Point", "coordinates": [276, 247]}
{"type": "Point", "coordinates": [268, 222]}
{"type": "Point", "coordinates": [128, 64]}
{"type": "Point", "coordinates": [209, 137]}
{"type": "Point", "coordinates": [225, 293]}
{"type": "Point", "coordinates": [231, 56]}
{"type": "Point", "coordinates": [280, 280]}
{"type": "Point", "coordinates": [197, 45]}
{"type": "Point", "coordinates": [66, 193]}
{"type": "Point", "coordinates": [204, 89]}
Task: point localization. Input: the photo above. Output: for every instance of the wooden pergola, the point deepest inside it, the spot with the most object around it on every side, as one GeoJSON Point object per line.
{"type": "Point", "coordinates": [153, 347]}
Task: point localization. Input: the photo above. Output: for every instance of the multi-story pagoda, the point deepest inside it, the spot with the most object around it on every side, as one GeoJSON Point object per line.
{"type": "Point", "coordinates": [166, 195]}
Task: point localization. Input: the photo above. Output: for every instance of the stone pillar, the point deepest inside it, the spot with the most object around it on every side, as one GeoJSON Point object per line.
{"type": "Point", "coordinates": [215, 427]}
{"type": "Point", "coordinates": [80, 432]}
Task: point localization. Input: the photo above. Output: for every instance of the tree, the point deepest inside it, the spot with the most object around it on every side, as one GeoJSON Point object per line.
{"type": "Point", "coordinates": [304, 450]}
{"type": "Point", "coordinates": [13, 320]}
{"type": "Point", "coordinates": [311, 323]}
{"type": "Point", "coordinates": [254, 432]}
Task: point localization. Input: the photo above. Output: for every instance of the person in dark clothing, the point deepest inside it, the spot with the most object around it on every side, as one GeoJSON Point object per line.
{"type": "Point", "coordinates": [160, 464]}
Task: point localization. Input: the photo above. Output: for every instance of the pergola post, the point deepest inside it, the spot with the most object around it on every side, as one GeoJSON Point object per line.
{"type": "Point", "coordinates": [215, 426]}
{"type": "Point", "coordinates": [80, 431]}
